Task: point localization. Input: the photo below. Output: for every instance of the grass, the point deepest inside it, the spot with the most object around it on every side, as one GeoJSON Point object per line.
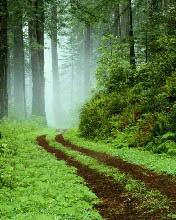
{"type": "Point", "coordinates": [33, 184]}
{"type": "Point", "coordinates": [151, 199]}
{"type": "Point", "coordinates": [160, 163]}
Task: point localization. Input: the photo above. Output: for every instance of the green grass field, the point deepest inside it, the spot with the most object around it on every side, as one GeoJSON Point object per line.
{"type": "Point", "coordinates": [33, 184]}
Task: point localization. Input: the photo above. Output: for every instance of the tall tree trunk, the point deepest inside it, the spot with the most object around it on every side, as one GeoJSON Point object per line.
{"type": "Point", "coordinates": [124, 20]}
{"type": "Point", "coordinates": [19, 72]}
{"type": "Point", "coordinates": [36, 33]}
{"type": "Point", "coordinates": [131, 38]}
{"type": "Point", "coordinates": [165, 4]}
{"type": "Point", "coordinates": [153, 28]}
{"type": "Point", "coordinates": [87, 61]}
{"type": "Point", "coordinates": [146, 46]}
{"type": "Point", "coordinates": [117, 26]}
{"type": "Point", "coordinates": [3, 59]}
{"type": "Point", "coordinates": [55, 67]}
{"type": "Point", "coordinates": [72, 77]}
{"type": "Point", "coordinates": [10, 81]}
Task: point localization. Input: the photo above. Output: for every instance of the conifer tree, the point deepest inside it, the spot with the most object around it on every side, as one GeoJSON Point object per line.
{"type": "Point", "coordinates": [3, 59]}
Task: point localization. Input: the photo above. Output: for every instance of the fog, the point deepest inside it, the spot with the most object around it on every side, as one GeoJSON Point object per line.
{"type": "Point", "coordinates": [71, 83]}
{"type": "Point", "coordinates": [65, 96]}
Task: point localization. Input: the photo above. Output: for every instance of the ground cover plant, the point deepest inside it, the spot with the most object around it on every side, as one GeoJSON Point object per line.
{"type": "Point", "coordinates": [33, 184]}
{"type": "Point", "coordinates": [153, 200]}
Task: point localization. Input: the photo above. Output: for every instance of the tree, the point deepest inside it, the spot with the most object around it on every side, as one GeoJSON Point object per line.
{"type": "Point", "coordinates": [84, 12]}
{"type": "Point", "coordinates": [36, 33]}
{"type": "Point", "coordinates": [55, 67]}
{"type": "Point", "coordinates": [131, 37]}
{"type": "Point", "coordinates": [117, 25]}
{"type": "Point", "coordinates": [3, 59]}
{"type": "Point", "coordinates": [124, 27]}
{"type": "Point", "coordinates": [124, 20]}
{"type": "Point", "coordinates": [18, 61]}
{"type": "Point", "coordinates": [87, 57]}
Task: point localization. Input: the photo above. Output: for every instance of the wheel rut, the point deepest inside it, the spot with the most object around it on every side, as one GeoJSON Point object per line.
{"type": "Point", "coordinates": [164, 183]}
{"type": "Point", "coordinates": [116, 202]}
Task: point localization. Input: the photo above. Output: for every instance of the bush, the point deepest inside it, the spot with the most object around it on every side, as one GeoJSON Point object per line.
{"type": "Point", "coordinates": [96, 114]}
{"type": "Point", "coordinates": [139, 103]}
{"type": "Point", "coordinates": [172, 119]}
{"type": "Point", "coordinates": [165, 147]}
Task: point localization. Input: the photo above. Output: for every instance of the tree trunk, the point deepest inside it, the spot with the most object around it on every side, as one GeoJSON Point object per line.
{"type": "Point", "coordinates": [19, 72]}
{"type": "Point", "coordinates": [166, 3]}
{"type": "Point", "coordinates": [3, 59]}
{"type": "Point", "coordinates": [117, 26]}
{"type": "Point", "coordinates": [55, 67]}
{"type": "Point", "coordinates": [36, 33]}
{"type": "Point", "coordinates": [87, 61]}
{"type": "Point", "coordinates": [124, 20]}
{"type": "Point", "coordinates": [10, 81]}
{"type": "Point", "coordinates": [131, 38]}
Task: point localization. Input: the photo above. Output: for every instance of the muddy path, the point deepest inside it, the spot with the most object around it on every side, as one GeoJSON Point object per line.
{"type": "Point", "coordinates": [116, 202]}
{"type": "Point", "coordinates": [164, 183]}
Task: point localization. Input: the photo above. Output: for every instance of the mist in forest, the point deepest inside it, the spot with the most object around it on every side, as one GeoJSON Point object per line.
{"type": "Point", "coordinates": [63, 96]}
{"type": "Point", "coordinates": [51, 65]}
{"type": "Point", "coordinates": [62, 110]}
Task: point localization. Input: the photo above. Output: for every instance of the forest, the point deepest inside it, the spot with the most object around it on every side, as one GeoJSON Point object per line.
{"type": "Point", "coordinates": [87, 109]}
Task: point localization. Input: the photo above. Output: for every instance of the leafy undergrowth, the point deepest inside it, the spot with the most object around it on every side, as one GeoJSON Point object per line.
{"type": "Point", "coordinates": [153, 200]}
{"type": "Point", "coordinates": [138, 105]}
{"type": "Point", "coordinates": [160, 163]}
{"type": "Point", "coordinates": [33, 184]}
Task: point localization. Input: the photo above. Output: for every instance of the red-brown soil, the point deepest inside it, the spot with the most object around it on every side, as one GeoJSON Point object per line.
{"type": "Point", "coordinates": [116, 202]}
{"type": "Point", "coordinates": [164, 183]}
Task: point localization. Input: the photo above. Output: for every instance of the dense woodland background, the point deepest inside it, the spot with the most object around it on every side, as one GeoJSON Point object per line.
{"type": "Point", "coordinates": [125, 50]}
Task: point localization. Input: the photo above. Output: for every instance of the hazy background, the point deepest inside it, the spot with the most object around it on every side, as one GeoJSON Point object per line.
{"type": "Point", "coordinates": [71, 82]}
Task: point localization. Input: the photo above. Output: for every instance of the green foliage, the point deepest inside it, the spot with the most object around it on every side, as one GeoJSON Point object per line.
{"type": "Point", "coordinates": [33, 184]}
{"type": "Point", "coordinates": [172, 119]}
{"type": "Point", "coordinates": [140, 104]}
{"type": "Point", "coordinates": [121, 140]}
{"type": "Point", "coordinates": [96, 115]}
{"type": "Point", "coordinates": [166, 146]}
{"type": "Point", "coordinates": [169, 136]}
{"type": "Point", "coordinates": [114, 69]}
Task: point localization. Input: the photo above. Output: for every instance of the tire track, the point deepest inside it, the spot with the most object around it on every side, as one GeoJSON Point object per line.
{"type": "Point", "coordinates": [163, 183]}
{"type": "Point", "coordinates": [116, 202]}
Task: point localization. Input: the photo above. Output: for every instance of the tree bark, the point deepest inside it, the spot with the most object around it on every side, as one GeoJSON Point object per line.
{"type": "Point", "coordinates": [36, 33]}
{"type": "Point", "coordinates": [3, 59]}
{"type": "Point", "coordinates": [124, 20]}
{"type": "Point", "coordinates": [166, 3]}
{"type": "Point", "coordinates": [87, 57]}
{"type": "Point", "coordinates": [55, 67]}
{"type": "Point", "coordinates": [131, 38]}
{"type": "Point", "coordinates": [10, 81]}
{"type": "Point", "coordinates": [19, 72]}
{"type": "Point", "coordinates": [117, 26]}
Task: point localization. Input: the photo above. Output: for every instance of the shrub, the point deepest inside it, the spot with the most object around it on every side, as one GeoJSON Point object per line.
{"type": "Point", "coordinates": [96, 114]}
{"type": "Point", "coordinates": [139, 103]}
{"type": "Point", "coordinates": [166, 146]}
{"type": "Point", "coordinates": [172, 119]}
